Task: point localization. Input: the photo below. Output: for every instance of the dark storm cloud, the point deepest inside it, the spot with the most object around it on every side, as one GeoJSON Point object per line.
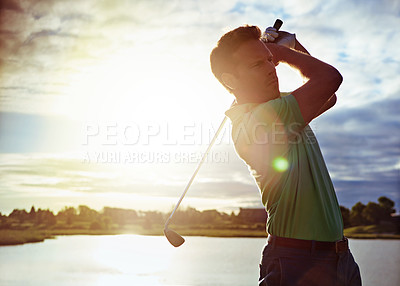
{"type": "Point", "coordinates": [362, 150]}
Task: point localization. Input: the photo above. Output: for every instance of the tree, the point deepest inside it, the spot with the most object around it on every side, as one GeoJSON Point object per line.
{"type": "Point", "coordinates": [32, 214]}
{"type": "Point", "coordinates": [388, 207]}
{"type": "Point", "coordinates": [147, 224]}
{"type": "Point", "coordinates": [356, 216]}
{"type": "Point", "coordinates": [210, 216]}
{"type": "Point", "coordinates": [95, 225]}
{"type": "Point", "coordinates": [191, 216]}
{"type": "Point", "coordinates": [106, 222]}
{"type": "Point", "coordinates": [87, 214]}
{"type": "Point", "coordinates": [345, 215]}
{"type": "Point", "coordinates": [45, 217]}
{"type": "Point", "coordinates": [68, 214]}
{"type": "Point", "coordinates": [154, 217]}
{"type": "Point", "coordinates": [120, 216]}
{"type": "Point", "coordinates": [20, 215]}
{"type": "Point", "coordinates": [373, 213]}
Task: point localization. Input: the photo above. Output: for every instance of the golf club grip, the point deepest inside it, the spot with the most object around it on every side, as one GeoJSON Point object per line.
{"type": "Point", "coordinates": [278, 24]}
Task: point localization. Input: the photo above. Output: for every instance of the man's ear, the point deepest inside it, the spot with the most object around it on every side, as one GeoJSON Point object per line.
{"type": "Point", "coordinates": [229, 80]}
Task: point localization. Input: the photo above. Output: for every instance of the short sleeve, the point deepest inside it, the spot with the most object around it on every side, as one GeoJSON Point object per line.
{"type": "Point", "coordinates": [284, 112]}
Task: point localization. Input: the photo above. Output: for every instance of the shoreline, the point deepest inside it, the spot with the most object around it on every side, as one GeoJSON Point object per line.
{"type": "Point", "coordinates": [20, 237]}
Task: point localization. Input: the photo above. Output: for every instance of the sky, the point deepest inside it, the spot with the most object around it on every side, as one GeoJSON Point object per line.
{"type": "Point", "coordinates": [112, 103]}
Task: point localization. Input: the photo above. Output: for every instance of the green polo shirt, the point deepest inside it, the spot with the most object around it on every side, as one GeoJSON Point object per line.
{"type": "Point", "coordinates": [284, 157]}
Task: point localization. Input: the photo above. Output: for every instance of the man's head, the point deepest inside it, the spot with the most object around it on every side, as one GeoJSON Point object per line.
{"type": "Point", "coordinates": [244, 65]}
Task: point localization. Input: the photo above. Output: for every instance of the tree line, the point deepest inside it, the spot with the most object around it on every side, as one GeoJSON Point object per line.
{"type": "Point", "coordinates": [110, 218]}
{"type": "Point", "coordinates": [371, 213]}
{"type": "Point", "coordinates": [81, 217]}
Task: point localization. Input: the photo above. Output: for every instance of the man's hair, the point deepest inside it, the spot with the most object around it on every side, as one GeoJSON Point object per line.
{"type": "Point", "coordinates": [221, 58]}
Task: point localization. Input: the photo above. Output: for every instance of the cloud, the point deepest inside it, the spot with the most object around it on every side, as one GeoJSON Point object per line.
{"type": "Point", "coordinates": [33, 178]}
{"type": "Point", "coordinates": [362, 149]}
{"type": "Point", "coordinates": [150, 58]}
{"type": "Point", "coordinates": [47, 41]}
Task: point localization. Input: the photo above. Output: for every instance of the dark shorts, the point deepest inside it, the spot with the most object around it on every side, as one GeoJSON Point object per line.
{"type": "Point", "coordinates": [297, 267]}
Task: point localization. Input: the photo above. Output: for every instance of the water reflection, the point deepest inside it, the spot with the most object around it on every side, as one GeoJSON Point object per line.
{"type": "Point", "coordinates": [145, 260]}
{"type": "Point", "coordinates": [134, 259]}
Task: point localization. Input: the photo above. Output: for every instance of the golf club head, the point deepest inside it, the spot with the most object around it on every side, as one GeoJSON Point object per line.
{"type": "Point", "coordinates": [173, 237]}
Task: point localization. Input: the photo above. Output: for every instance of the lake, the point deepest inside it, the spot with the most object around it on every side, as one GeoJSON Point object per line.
{"type": "Point", "coordinates": [151, 260]}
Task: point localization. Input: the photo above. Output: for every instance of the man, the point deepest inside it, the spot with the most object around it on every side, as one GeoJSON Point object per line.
{"type": "Point", "coordinates": [271, 134]}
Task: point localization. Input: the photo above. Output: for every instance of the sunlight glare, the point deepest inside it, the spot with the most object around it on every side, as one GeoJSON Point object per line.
{"type": "Point", "coordinates": [280, 164]}
{"type": "Point", "coordinates": [115, 253]}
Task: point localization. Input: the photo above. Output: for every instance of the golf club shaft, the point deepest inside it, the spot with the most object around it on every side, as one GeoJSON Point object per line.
{"type": "Point", "coordinates": [198, 168]}
{"type": "Point", "coordinates": [278, 23]}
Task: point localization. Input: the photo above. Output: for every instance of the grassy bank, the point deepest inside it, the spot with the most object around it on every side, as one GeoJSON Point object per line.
{"type": "Point", "coordinates": [15, 237]}
{"type": "Point", "coordinates": [381, 231]}
{"type": "Point", "coordinates": [373, 236]}
{"type": "Point", "coordinates": [220, 232]}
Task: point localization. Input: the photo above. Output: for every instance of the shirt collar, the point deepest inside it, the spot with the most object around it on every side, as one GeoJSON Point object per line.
{"type": "Point", "coordinates": [237, 110]}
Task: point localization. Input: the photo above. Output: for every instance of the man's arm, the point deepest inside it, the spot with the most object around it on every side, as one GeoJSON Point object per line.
{"type": "Point", "coordinates": [289, 40]}
{"type": "Point", "coordinates": [323, 80]}
{"type": "Point", "coordinates": [299, 47]}
{"type": "Point", "coordinates": [332, 100]}
{"type": "Point", "coordinates": [329, 104]}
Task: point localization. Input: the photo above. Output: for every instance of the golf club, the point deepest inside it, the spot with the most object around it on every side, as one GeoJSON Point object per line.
{"type": "Point", "coordinates": [173, 237]}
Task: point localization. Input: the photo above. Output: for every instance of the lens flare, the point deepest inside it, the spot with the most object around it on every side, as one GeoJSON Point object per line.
{"type": "Point", "coordinates": [280, 164]}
